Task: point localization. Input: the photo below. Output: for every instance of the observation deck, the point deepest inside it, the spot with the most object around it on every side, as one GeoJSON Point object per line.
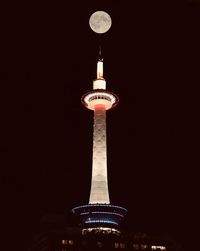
{"type": "Point", "coordinates": [99, 97]}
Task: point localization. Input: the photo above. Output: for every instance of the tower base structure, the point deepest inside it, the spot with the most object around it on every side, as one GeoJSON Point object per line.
{"type": "Point", "coordinates": [105, 217]}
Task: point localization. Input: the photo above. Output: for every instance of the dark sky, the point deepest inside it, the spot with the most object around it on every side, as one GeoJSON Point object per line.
{"type": "Point", "coordinates": [151, 60]}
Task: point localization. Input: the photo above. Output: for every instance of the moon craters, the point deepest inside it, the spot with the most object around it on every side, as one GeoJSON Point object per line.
{"type": "Point", "coordinates": [100, 22]}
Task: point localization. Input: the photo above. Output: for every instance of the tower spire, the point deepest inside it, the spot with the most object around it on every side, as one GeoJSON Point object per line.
{"type": "Point", "coordinates": [100, 69]}
{"type": "Point", "coordinates": [99, 82]}
{"type": "Point", "coordinates": [99, 51]}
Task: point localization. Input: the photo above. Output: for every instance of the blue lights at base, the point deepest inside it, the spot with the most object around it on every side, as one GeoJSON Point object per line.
{"type": "Point", "coordinates": [100, 214]}
{"type": "Point", "coordinates": [100, 221]}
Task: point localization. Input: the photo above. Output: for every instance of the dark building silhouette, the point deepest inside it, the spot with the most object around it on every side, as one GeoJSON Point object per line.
{"type": "Point", "coordinates": [57, 235]}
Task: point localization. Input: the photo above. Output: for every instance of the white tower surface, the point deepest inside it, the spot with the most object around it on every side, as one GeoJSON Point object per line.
{"type": "Point", "coordinates": [99, 187]}
{"type": "Point", "coordinates": [99, 100]}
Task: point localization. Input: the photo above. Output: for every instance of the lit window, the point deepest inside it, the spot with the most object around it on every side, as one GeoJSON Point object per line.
{"type": "Point", "coordinates": [158, 248]}
{"type": "Point", "coordinates": [136, 246]}
{"type": "Point", "coordinates": [64, 242]}
{"type": "Point", "coordinates": [71, 242]}
{"type": "Point", "coordinates": [116, 245]}
{"type": "Point", "coordinates": [143, 246]}
{"type": "Point", "coordinates": [67, 242]}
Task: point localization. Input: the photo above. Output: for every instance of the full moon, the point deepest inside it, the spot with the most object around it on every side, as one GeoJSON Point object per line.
{"type": "Point", "coordinates": [100, 22]}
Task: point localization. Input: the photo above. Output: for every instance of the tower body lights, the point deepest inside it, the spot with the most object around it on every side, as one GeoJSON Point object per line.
{"type": "Point", "coordinates": [99, 100]}
{"type": "Point", "coordinates": [99, 212]}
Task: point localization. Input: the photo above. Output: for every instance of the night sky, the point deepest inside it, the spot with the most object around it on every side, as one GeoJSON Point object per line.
{"type": "Point", "coordinates": [151, 60]}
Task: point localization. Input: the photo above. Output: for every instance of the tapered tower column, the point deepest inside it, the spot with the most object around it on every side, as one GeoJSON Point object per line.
{"type": "Point", "coordinates": [99, 185]}
{"type": "Point", "coordinates": [99, 212]}
{"type": "Point", "coordinates": [99, 100]}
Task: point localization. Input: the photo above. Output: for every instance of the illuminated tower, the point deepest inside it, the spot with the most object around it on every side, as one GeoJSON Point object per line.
{"type": "Point", "coordinates": [99, 100]}
{"type": "Point", "coordinates": [99, 213]}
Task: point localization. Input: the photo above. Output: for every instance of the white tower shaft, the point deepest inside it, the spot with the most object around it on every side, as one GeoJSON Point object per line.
{"type": "Point", "coordinates": [99, 186]}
